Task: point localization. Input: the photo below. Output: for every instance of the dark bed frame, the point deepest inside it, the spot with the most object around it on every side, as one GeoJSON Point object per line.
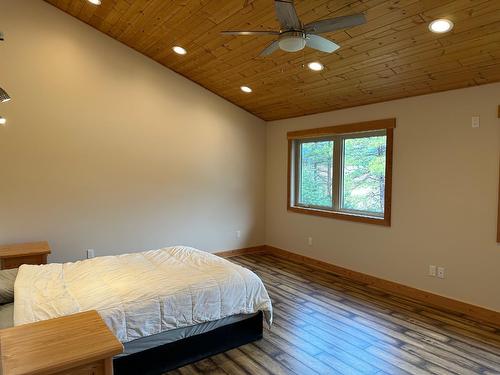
{"type": "Point", "coordinates": [157, 361]}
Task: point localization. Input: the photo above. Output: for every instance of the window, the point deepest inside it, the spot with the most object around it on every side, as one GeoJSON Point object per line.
{"type": "Point", "coordinates": [343, 171]}
{"type": "Point", "coordinates": [316, 174]}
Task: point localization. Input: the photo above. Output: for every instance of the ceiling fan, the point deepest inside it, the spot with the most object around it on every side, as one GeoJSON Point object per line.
{"type": "Point", "coordinates": [294, 36]}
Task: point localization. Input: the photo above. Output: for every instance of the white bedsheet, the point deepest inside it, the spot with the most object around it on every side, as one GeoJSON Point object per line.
{"type": "Point", "coordinates": [141, 294]}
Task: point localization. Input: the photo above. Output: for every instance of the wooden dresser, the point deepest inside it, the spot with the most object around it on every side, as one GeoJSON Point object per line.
{"type": "Point", "coordinates": [12, 256]}
{"type": "Point", "coordinates": [79, 344]}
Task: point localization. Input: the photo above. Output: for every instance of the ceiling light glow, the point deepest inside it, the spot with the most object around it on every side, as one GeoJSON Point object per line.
{"type": "Point", "coordinates": [441, 26]}
{"type": "Point", "coordinates": [316, 66]}
{"type": "Point", "coordinates": [95, 2]}
{"type": "Point", "coordinates": [246, 89]}
{"type": "Point", "coordinates": [179, 50]}
{"type": "Point", "coordinates": [3, 120]}
{"type": "Point", "coordinates": [292, 43]}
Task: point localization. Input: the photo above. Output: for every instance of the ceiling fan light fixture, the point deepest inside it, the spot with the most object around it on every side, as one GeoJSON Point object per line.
{"type": "Point", "coordinates": [179, 50]}
{"type": "Point", "coordinates": [292, 43]}
{"type": "Point", "coordinates": [246, 89]}
{"type": "Point", "coordinates": [316, 66]}
{"type": "Point", "coordinates": [441, 26]}
{"type": "Point", "coordinates": [95, 2]}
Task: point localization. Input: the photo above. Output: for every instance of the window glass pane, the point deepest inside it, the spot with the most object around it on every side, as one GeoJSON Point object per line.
{"type": "Point", "coordinates": [364, 174]}
{"type": "Point", "coordinates": [316, 173]}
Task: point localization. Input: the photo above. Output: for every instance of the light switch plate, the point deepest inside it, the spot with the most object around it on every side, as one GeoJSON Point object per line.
{"type": "Point", "coordinates": [432, 270]}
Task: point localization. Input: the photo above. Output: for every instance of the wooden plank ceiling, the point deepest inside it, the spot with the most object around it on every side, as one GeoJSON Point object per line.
{"type": "Point", "coordinates": [392, 56]}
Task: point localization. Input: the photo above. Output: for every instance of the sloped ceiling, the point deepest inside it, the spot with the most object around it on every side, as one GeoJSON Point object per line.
{"type": "Point", "coordinates": [392, 56]}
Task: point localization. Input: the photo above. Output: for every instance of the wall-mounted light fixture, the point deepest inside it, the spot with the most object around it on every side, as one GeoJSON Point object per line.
{"type": "Point", "coordinates": [4, 97]}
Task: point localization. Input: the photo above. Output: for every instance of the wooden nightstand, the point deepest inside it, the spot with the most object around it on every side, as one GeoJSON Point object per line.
{"type": "Point", "coordinates": [79, 344]}
{"type": "Point", "coordinates": [12, 256]}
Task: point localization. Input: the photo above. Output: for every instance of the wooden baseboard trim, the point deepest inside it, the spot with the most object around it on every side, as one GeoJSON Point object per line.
{"type": "Point", "coordinates": [473, 311]}
{"type": "Point", "coordinates": [244, 251]}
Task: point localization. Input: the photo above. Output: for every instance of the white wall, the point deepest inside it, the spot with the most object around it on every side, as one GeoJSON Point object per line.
{"type": "Point", "coordinates": [444, 207]}
{"type": "Point", "coordinates": [107, 149]}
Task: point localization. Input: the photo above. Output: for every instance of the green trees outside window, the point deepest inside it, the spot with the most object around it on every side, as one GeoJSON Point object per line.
{"type": "Point", "coordinates": [316, 173]}
{"type": "Point", "coordinates": [360, 169]}
{"type": "Point", "coordinates": [364, 174]}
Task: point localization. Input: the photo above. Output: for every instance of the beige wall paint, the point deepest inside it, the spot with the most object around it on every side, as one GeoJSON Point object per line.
{"type": "Point", "coordinates": [106, 149]}
{"type": "Point", "coordinates": [444, 206]}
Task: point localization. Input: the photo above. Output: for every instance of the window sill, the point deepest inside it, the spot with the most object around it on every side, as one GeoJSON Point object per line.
{"type": "Point", "coordinates": [384, 221]}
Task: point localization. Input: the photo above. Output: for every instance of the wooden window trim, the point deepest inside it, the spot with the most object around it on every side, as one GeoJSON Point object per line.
{"type": "Point", "coordinates": [498, 216]}
{"type": "Point", "coordinates": [386, 124]}
{"type": "Point", "coordinates": [357, 127]}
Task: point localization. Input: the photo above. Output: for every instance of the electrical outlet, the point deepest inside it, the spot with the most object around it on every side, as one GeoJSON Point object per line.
{"type": "Point", "coordinates": [432, 270]}
{"type": "Point", "coordinates": [238, 234]}
{"type": "Point", "coordinates": [310, 241]}
{"type": "Point", "coordinates": [476, 121]}
{"type": "Point", "coordinates": [440, 272]}
{"type": "Point", "coordinates": [90, 253]}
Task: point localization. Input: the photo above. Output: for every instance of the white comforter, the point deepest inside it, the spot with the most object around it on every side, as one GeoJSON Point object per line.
{"type": "Point", "coordinates": [141, 294]}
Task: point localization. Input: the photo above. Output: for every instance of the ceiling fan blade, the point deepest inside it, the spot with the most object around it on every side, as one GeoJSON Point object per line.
{"type": "Point", "coordinates": [274, 46]}
{"type": "Point", "coordinates": [321, 44]}
{"type": "Point", "coordinates": [287, 15]}
{"type": "Point", "coordinates": [333, 24]}
{"type": "Point", "coordinates": [250, 33]}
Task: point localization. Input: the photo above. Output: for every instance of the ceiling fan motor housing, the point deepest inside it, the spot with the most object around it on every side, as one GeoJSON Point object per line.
{"type": "Point", "coordinates": [295, 36]}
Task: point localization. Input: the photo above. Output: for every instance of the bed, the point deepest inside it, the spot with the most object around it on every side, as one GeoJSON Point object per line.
{"type": "Point", "coordinates": [169, 307]}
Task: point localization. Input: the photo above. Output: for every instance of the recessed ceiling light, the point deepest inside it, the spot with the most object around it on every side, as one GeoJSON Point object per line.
{"type": "Point", "coordinates": [316, 66]}
{"type": "Point", "coordinates": [246, 89]}
{"type": "Point", "coordinates": [95, 2]}
{"type": "Point", "coordinates": [440, 26]}
{"type": "Point", "coordinates": [3, 120]}
{"type": "Point", "coordinates": [179, 50]}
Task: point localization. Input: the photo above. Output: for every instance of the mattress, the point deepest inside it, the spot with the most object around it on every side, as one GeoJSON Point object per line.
{"type": "Point", "coordinates": [167, 337]}
{"type": "Point", "coordinates": [148, 342]}
{"type": "Point", "coordinates": [141, 294]}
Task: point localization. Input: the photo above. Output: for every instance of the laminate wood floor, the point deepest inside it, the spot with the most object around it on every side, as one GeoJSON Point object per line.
{"type": "Point", "coordinates": [326, 324]}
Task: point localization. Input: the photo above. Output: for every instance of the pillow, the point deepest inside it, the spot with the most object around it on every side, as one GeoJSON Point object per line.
{"type": "Point", "coordinates": [7, 279]}
{"type": "Point", "coordinates": [6, 315]}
